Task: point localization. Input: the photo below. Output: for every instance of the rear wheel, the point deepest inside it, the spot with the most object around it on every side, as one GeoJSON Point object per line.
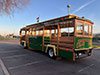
{"type": "Point", "coordinates": [25, 45]}
{"type": "Point", "coordinates": [89, 53]}
{"type": "Point", "coordinates": [51, 53]}
{"type": "Point", "coordinates": [77, 55]}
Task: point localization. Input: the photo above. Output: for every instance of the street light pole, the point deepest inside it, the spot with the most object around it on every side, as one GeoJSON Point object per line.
{"type": "Point", "coordinates": [68, 6]}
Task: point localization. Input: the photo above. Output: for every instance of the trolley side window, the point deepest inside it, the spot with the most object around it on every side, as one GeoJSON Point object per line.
{"type": "Point", "coordinates": [90, 30]}
{"type": "Point", "coordinates": [68, 31]}
{"type": "Point", "coordinates": [79, 29]}
{"type": "Point", "coordinates": [23, 32]}
{"type": "Point", "coordinates": [86, 30]}
{"type": "Point", "coordinates": [54, 32]}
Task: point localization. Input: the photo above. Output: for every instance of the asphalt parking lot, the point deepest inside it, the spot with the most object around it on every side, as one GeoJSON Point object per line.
{"type": "Point", "coordinates": [14, 60]}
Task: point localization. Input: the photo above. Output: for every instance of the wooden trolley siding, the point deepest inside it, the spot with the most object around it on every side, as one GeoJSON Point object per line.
{"type": "Point", "coordinates": [61, 43]}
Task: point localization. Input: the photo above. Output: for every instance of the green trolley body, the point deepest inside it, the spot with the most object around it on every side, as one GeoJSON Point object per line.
{"type": "Point", "coordinates": [82, 43]}
{"type": "Point", "coordinates": [68, 36]}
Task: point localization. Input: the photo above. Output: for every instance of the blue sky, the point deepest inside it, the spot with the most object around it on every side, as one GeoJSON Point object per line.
{"type": "Point", "coordinates": [48, 9]}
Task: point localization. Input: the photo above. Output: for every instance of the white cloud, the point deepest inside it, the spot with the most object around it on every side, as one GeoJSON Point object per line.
{"type": "Point", "coordinates": [83, 6]}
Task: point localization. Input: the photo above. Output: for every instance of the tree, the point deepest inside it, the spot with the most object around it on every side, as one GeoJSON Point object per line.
{"type": "Point", "coordinates": [8, 6]}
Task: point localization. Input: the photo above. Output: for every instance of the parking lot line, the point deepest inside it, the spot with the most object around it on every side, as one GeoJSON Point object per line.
{"type": "Point", "coordinates": [8, 51]}
{"type": "Point", "coordinates": [86, 68]}
{"type": "Point", "coordinates": [13, 56]}
{"type": "Point", "coordinates": [6, 72]}
{"type": "Point", "coordinates": [28, 64]}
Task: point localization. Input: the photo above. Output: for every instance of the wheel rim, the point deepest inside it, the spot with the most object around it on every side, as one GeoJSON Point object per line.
{"type": "Point", "coordinates": [51, 53]}
{"type": "Point", "coordinates": [89, 54]}
{"type": "Point", "coordinates": [77, 55]}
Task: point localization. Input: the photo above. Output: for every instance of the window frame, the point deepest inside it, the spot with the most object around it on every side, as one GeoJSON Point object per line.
{"type": "Point", "coordinates": [68, 31]}
{"type": "Point", "coordinates": [89, 29]}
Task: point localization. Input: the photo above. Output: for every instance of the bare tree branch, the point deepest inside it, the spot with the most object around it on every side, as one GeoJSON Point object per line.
{"type": "Point", "coordinates": [8, 6]}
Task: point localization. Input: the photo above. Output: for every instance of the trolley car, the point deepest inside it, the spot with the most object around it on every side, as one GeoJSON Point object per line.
{"type": "Point", "coordinates": [68, 36]}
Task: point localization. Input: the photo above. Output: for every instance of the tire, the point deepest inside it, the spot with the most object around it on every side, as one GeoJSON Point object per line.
{"type": "Point", "coordinates": [25, 46]}
{"type": "Point", "coordinates": [89, 53]}
{"type": "Point", "coordinates": [77, 55]}
{"type": "Point", "coordinates": [51, 53]}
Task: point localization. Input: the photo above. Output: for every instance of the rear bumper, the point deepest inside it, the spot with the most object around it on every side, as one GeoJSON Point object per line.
{"type": "Point", "coordinates": [82, 49]}
{"type": "Point", "coordinates": [84, 52]}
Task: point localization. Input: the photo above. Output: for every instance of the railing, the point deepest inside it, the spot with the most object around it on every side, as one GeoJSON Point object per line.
{"type": "Point", "coordinates": [63, 42]}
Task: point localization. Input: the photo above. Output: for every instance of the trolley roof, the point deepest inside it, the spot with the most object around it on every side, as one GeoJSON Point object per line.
{"type": "Point", "coordinates": [55, 21]}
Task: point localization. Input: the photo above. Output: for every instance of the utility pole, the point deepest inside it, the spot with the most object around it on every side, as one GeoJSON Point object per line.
{"type": "Point", "coordinates": [68, 6]}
